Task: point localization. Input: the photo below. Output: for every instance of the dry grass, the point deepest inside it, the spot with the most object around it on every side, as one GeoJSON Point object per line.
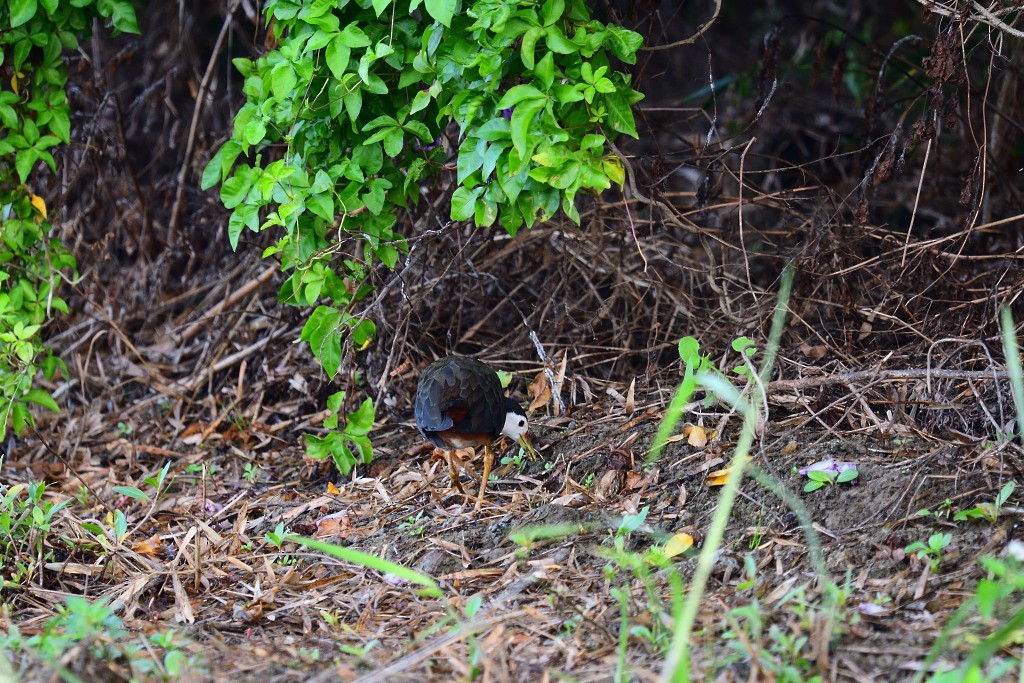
{"type": "Point", "coordinates": [903, 244]}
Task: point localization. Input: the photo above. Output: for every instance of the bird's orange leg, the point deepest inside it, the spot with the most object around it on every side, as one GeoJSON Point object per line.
{"type": "Point", "coordinates": [488, 464]}
{"type": "Point", "coordinates": [452, 471]}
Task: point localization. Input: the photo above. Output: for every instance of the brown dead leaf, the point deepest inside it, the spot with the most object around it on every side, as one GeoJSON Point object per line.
{"type": "Point", "coordinates": [540, 390]}
{"type": "Point", "coordinates": [610, 485]}
{"type": "Point", "coordinates": [789, 448]}
{"type": "Point", "coordinates": [635, 480]}
{"type": "Point", "coordinates": [150, 547]}
{"type": "Point", "coordinates": [815, 352]}
{"type": "Point", "coordinates": [333, 525]}
{"type": "Point", "coordinates": [696, 436]}
{"type": "Point", "coordinates": [192, 429]}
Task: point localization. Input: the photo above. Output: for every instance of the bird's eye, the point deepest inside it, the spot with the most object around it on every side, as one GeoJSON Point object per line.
{"type": "Point", "coordinates": [522, 422]}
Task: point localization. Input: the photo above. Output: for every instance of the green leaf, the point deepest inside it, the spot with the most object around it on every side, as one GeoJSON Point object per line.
{"type": "Point", "coordinates": [517, 94]}
{"type": "Point", "coordinates": [624, 43]}
{"type": "Point", "coordinates": [529, 45]}
{"type": "Point", "coordinates": [551, 11]}
{"type": "Point", "coordinates": [545, 70]}
{"type": "Point", "coordinates": [132, 492]}
{"type": "Point", "coordinates": [122, 16]}
{"type": "Point", "coordinates": [388, 255]}
{"type": "Point", "coordinates": [22, 11]}
{"type": "Point", "coordinates": [24, 160]}
{"type": "Point", "coordinates": [847, 475]}
{"type": "Point", "coordinates": [322, 333]}
{"type": "Point", "coordinates": [557, 42]}
{"type": "Point", "coordinates": [441, 10]}
{"type": "Point", "coordinates": [463, 202]}
{"type": "Point", "coordinates": [337, 56]}
{"type": "Point", "coordinates": [316, 447]}
{"type": "Point", "coordinates": [522, 117]}
{"type": "Point", "coordinates": [282, 81]}
{"type": "Point", "coordinates": [235, 189]}
{"type": "Point", "coordinates": [361, 421]}
{"type": "Point", "coordinates": [220, 165]}
{"type": "Point", "coordinates": [353, 36]}
{"type": "Point", "coordinates": [41, 397]}
{"type": "Point", "coordinates": [322, 205]}
{"type": "Point", "coordinates": [620, 114]}
{"type": "Point", "coordinates": [60, 124]}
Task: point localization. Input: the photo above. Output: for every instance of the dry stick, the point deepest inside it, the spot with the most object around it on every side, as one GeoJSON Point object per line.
{"type": "Point", "coordinates": [917, 197]}
{"type": "Point", "coordinates": [739, 210]}
{"type": "Point", "coordinates": [246, 289]}
{"type": "Point", "coordinates": [700, 31]}
{"type": "Point", "coordinates": [172, 227]}
{"type": "Point", "coordinates": [226, 362]}
{"type": "Point", "coordinates": [884, 375]}
{"type": "Point", "coordinates": [548, 364]}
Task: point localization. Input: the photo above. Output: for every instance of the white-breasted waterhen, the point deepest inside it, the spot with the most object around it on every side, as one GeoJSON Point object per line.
{"type": "Point", "coordinates": [460, 404]}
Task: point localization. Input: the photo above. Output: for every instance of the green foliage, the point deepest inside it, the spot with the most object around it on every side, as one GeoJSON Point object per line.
{"type": "Point", "coordinates": [932, 550]}
{"type": "Point", "coordinates": [344, 123]}
{"type": "Point", "coordinates": [820, 478]}
{"type": "Point", "coordinates": [95, 627]}
{"type": "Point", "coordinates": [349, 446]}
{"type": "Point", "coordinates": [745, 347]}
{"type": "Point", "coordinates": [988, 511]}
{"type": "Point", "coordinates": [780, 649]}
{"type": "Point", "coordinates": [26, 524]}
{"type": "Point", "coordinates": [989, 622]}
{"type": "Point", "coordinates": [35, 118]}
{"type": "Point", "coordinates": [695, 364]}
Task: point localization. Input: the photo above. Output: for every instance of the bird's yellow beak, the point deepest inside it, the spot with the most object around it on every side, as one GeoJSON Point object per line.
{"type": "Point", "coordinates": [524, 443]}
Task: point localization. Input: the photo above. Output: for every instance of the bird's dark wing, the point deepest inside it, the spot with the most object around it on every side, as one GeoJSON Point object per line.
{"type": "Point", "coordinates": [459, 392]}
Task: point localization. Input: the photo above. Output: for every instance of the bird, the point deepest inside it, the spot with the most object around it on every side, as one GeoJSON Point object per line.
{"type": "Point", "coordinates": [460, 404]}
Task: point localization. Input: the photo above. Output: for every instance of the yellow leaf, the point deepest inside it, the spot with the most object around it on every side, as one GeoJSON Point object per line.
{"type": "Point", "coordinates": [38, 203]}
{"type": "Point", "coordinates": [331, 488]}
{"type": "Point", "coordinates": [679, 543]}
{"type": "Point", "coordinates": [696, 436]}
{"type": "Point", "coordinates": [718, 478]}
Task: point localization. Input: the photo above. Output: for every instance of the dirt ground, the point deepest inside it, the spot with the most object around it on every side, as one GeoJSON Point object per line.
{"type": "Point", "coordinates": [793, 150]}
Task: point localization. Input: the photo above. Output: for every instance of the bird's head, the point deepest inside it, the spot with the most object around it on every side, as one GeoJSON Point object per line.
{"type": "Point", "coordinates": [516, 426]}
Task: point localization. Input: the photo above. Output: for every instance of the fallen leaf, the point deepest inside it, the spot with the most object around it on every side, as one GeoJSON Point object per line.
{"type": "Point", "coordinates": [610, 485]}
{"type": "Point", "coordinates": [150, 547]}
{"type": "Point", "coordinates": [719, 477]}
{"type": "Point", "coordinates": [679, 543]}
{"type": "Point", "coordinates": [816, 352]}
{"type": "Point", "coordinates": [635, 480]}
{"type": "Point", "coordinates": [540, 390]}
{"type": "Point", "coordinates": [789, 448]}
{"type": "Point", "coordinates": [696, 436]}
{"type": "Point", "coordinates": [630, 405]}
